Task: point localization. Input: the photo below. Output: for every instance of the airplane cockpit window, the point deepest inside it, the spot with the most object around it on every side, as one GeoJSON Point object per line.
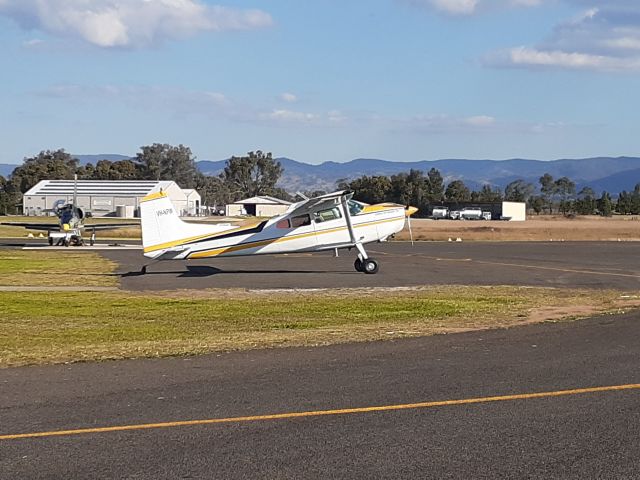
{"type": "Point", "coordinates": [284, 223]}
{"type": "Point", "coordinates": [300, 221]}
{"type": "Point", "coordinates": [355, 207]}
{"type": "Point", "coordinates": [328, 214]}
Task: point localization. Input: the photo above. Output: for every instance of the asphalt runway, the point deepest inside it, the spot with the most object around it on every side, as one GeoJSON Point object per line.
{"type": "Point", "coordinates": [576, 435]}
{"type": "Point", "coordinates": [614, 265]}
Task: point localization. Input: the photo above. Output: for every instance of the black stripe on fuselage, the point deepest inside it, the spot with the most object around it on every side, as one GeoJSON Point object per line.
{"type": "Point", "coordinates": [248, 231]}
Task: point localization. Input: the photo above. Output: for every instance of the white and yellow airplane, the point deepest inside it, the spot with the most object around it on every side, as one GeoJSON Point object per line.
{"type": "Point", "coordinates": [328, 222]}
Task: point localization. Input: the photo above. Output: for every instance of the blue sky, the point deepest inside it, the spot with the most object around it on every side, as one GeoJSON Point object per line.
{"type": "Point", "coordinates": [326, 80]}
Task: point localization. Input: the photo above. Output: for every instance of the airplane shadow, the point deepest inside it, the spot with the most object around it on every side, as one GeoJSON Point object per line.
{"type": "Point", "coordinates": [207, 271]}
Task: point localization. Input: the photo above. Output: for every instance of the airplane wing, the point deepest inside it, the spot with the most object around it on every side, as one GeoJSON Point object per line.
{"type": "Point", "coordinates": [108, 226]}
{"type": "Point", "coordinates": [33, 226]}
{"type": "Point", "coordinates": [328, 200]}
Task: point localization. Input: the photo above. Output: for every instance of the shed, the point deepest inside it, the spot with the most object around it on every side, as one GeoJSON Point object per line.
{"type": "Point", "coordinates": [259, 206]}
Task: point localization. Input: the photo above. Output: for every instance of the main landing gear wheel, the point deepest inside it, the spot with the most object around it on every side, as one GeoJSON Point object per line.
{"type": "Point", "coordinates": [370, 266]}
{"type": "Point", "coordinates": [50, 241]}
{"type": "Point", "coordinates": [358, 265]}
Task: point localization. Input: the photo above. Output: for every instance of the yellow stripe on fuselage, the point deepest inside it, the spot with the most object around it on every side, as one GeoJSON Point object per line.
{"type": "Point", "coordinates": [379, 207]}
{"type": "Point", "coordinates": [154, 196]}
{"type": "Point", "coordinates": [260, 243]}
{"type": "Point", "coordinates": [211, 235]}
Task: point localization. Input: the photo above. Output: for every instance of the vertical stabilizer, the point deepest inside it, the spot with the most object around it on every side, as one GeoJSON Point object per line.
{"type": "Point", "coordinates": [162, 228]}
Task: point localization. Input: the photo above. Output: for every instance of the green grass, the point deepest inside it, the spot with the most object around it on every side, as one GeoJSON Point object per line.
{"type": "Point", "coordinates": [55, 268]}
{"type": "Point", "coordinates": [44, 327]}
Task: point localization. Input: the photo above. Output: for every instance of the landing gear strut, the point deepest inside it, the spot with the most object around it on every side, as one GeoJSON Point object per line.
{"type": "Point", "coordinates": [363, 263]}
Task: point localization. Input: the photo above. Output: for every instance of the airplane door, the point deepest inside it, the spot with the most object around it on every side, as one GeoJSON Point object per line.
{"type": "Point", "coordinates": [330, 227]}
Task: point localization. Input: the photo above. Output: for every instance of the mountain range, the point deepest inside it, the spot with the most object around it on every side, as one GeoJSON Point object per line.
{"type": "Point", "coordinates": [600, 173]}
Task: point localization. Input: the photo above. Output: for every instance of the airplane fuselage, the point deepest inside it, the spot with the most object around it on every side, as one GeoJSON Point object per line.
{"type": "Point", "coordinates": [314, 231]}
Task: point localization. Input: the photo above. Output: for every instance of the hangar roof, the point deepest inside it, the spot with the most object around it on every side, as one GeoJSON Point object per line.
{"type": "Point", "coordinates": [120, 188]}
{"type": "Point", "coordinates": [262, 200]}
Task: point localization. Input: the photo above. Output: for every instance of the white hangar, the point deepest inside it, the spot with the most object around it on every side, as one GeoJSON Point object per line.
{"type": "Point", "coordinates": [107, 197]}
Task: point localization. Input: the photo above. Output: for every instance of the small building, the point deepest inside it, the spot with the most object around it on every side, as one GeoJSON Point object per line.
{"type": "Point", "coordinates": [107, 198]}
{"type": "Point", "coordinates": [260, 206]}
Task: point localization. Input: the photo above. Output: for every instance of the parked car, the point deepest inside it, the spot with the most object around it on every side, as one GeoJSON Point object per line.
{"type": "Point", "coordinates": [486, 215]}
{"type": "Point", "coordinates": [454, 214]}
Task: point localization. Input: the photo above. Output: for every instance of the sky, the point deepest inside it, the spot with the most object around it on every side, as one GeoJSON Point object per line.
{"type": "Point", "coordinates": [401, 80]}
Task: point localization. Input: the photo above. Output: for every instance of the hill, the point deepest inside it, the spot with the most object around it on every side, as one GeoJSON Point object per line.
{"type": "Point", "coordinates": [601, 173]}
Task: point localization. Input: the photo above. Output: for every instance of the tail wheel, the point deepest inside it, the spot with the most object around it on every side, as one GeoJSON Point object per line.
{"type": "Point", "coordinates": [370, 266]}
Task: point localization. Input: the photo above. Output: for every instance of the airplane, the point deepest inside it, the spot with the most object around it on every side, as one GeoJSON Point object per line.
{"type": "Point", "coordinates": [328, 222]}
{"type": "Point", "coordinates": [71, 224]}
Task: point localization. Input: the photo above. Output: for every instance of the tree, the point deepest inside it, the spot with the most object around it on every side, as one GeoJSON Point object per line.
{"type": "Point", "coordinates": [457, 192]}
{"type": "Point", "coordinates": [604, 205]}
{"type": "Point", "coordinates": [565, 189]}
{"type": "Point", "coordinates": [488, 194]}
{"type": "Point", "coordinates": [435, 186]}
{"type": "Point", "coordinates": [10, 196]}
{"type": "Point", "coordinates": [374, 189]}
{"type": "Point", "coordinates": [548, 190]}
{"type": "Point", "coordinates": [586, 203]}
{"type": "Point", "coordinates": [47, 165]}
{"type": "Point", "coordinates": [518, 191]}
{"type": "Point", "coordinates": [536, 203]}
{"type": "Point", "coordinates": [409, 189]}
{"type": "Point", "coordinates": [255, 174]}
{"type": "Point", "coordinates": [164, 162]}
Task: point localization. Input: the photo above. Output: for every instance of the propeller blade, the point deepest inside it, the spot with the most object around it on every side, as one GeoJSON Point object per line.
{"type": "Point", "coordinates": [410, 231]}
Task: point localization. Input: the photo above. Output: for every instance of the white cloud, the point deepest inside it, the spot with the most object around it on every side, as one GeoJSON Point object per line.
{"type": "Point", "coordinates": [288, 97]}
{"type": "Point", "coordinates": [129, 23]}
{"type": "Point", "coordinates": [34, 42]}
{"type": "Point", "coordinates": [534, 58]}
{"type": "Point", "coordinates": [603, 38]}
{"type": "Point", "coordinates": [471, 7]}
{"type": "Point", "coordinates": [480, 121]}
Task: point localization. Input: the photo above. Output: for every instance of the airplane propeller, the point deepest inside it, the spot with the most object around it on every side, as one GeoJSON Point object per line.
{"type": "Point", "coordinates": [408, 217]}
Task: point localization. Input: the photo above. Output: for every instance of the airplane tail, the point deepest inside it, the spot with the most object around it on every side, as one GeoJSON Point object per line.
{"type": "Point", "coordinates": [162, 230]}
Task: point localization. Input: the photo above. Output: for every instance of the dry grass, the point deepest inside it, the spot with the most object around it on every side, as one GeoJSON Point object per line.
{"type": "Point", "coordinates": [42, 268]}
{"type": "Point", "coordinates": [556, 228]}
{"type": "Point", "coordinates": [37, 329]}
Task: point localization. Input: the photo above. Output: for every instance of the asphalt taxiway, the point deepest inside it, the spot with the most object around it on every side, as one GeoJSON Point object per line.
{"type": "Point", "coordinates": [614, 265]}
{"type": "Point", "coordinates": [567, 432]}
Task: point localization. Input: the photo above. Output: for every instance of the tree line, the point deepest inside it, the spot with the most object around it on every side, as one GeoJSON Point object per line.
{"type": "Point", "coordinates": [257, 173]}
{"type": "Point", "coordinates": [552, 196]}
{"type": "Point", "coordinates": [254, 174]}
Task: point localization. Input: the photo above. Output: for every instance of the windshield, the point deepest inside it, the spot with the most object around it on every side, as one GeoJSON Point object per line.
{"type": "Point", "coordinates": [66, 216]}
{"type": "Point", "coordinates": [355, 207]}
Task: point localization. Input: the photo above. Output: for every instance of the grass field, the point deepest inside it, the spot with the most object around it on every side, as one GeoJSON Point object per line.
{"type": "Point", "coordinates": [46, 327]}
{"type": "Point", "coordinates": [49, 268]}
{"type": "Point", "coordinates": [49, 326]}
